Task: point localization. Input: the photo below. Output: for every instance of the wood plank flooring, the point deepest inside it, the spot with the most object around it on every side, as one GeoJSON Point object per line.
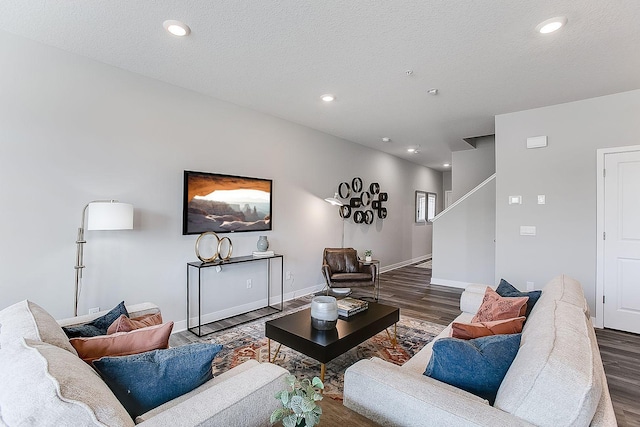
{"type": "Point", "coordinates": [409, 288]}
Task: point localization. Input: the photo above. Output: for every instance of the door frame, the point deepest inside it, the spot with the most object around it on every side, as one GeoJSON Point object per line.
{"type": "Point", "coordinates": [601, 153]}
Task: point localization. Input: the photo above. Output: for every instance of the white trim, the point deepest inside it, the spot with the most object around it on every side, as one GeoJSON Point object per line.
{"type": "Point", "coordinates": [457, 202]}
{"type": "Point", "coordinates": [452, 283]}
{"type": "Point", "coordinates": [598, 320]}
{"type": "Point", "coordinates": [404, 263]}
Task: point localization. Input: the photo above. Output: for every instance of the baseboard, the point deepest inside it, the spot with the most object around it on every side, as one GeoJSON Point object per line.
{"type": "Point", "coordinates": [451, 283]}
{"type": "Point", "coordinates": [404, 263]}
{"type": "Point", "coordinates": [181, 325]}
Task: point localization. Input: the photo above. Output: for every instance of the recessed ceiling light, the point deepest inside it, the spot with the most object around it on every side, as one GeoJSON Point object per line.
{"type": "Point", "coordinates": [176, 28]}
{"type": "Point", "coordinates": [327, 97]}
{"type": "Point", "coordinates": [433, 91]}
{"type": "Point", "coordinates": [386, 139]}
{"type": "Point", "coordinates": [446, 165]}
{"type": "Point", "coordinates": [411, 150]}
{"type": "Point", "coordinates": [551, 25]}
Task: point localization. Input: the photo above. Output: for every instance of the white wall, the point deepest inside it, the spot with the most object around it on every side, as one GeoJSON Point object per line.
{"type": "Point", "coordinates": [470, 167]}
{"type": "Point", "coordinates": [74, 130]}
{"type": "Point", "coordinates": [566, 173]}
{"type": "Point", "coordinates": [463, 240]}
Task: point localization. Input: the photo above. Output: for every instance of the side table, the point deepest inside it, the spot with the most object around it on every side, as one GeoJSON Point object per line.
{"type": "Point", "coordinates": [376, 262]}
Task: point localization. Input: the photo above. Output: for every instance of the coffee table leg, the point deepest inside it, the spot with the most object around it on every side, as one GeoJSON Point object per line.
{"type": "Point", "coordinates": [271, 360]}
{"type": "Point", "coordinates": [394, 340]}
{"type": "Point", "coordinates": [322, 371]}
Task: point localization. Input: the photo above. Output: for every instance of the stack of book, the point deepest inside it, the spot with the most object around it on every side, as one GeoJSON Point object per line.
{"type": "Point", "coordinates": [350, 306]}
{"type": "Point", "coordinates": [263, 253]}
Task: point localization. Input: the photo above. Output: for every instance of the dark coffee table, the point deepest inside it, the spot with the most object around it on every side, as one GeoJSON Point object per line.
{"type": "Point", "coordinates": [295, 331]}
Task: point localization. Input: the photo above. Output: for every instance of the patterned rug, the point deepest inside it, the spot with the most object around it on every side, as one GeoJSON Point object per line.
{"type": "Point", "coordinates": [247, 341]}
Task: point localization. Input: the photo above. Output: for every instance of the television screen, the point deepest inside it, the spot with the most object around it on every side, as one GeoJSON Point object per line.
{"type": "Point", "coordinates": [225, 203]}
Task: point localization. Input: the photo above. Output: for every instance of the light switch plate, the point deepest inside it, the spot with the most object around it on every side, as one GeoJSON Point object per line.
{"type": "Point", "coordinates": [530, 286]}
{"type": "Point", "coordinates": [527, 230]}
{"type": "Point", "coordinates": [541, 199]}
{"type": "Point", "coordinates": [515, 200]}
{"type": "Point", "coordinates": [537, 141]}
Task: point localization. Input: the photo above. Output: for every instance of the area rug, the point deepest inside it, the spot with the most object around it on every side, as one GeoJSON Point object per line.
{"type": "Point", "coordinates": [248, 341]}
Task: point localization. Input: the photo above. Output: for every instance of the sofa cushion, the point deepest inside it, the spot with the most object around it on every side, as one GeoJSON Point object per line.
{"type": "Point", "coordinates": [97, 326]}
{"type": "Point", "coordinates": [467, 331]}
{"type": "Point", "coordinates": [123, 343]}
{"type": "Point", "coordinates": [477, 366]}
{"type": "Point", "coordinates": [27, 319]}
{"type": "Point", "coordinates": [347, 277]}
{"type": "Point", "coordinates": [143, 381]}
{"type": "Point", "coordinates": [556, 354]}
{"type": "Point", "coordinates": [44, 385]}
{"type": "Point", "coordinates": [495, 307]}
{"type": "Point", "coordinates": [125, 324]}
{"type": "Point", "coordinates": [506, 289]}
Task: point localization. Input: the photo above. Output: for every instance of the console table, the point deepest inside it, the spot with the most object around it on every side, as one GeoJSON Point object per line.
{"type": "Point", "coordinates": [270, 309]}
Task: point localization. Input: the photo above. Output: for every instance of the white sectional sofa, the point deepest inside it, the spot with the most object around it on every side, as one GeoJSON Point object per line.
{"type": "Point", "coordinates": [556, 379]}
{"type": "Point", "coordinates": [44, 383]}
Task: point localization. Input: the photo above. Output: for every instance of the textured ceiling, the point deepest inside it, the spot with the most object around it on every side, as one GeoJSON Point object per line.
{"type": "Point", "coordinates": [278, 57]}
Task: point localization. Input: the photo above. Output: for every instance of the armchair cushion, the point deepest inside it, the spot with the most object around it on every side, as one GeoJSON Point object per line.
{"type": "Point", "coordinates": [348, 277]}
{"type": "Point", "coordinates": [341, 260]}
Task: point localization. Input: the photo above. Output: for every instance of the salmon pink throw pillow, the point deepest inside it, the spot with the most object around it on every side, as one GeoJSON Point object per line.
{"type": "Point", "coordinates": [469, 331]}
{"type": "Point", "coordinates": [494, 307]}
{"type": "Point", "coordinates": [125, 324]}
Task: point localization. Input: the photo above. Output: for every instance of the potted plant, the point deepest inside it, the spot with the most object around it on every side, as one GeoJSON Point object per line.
{"type": "Point", "coordinates": [367, 255]}
{"type": "Point", "coordinates": [299, 403]}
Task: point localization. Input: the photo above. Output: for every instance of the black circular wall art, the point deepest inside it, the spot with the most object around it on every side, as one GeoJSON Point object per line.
{"type": "Point", "coordinates": [356, 184]}
{"type": "Point", "coordinates": [345, 211]}
{"type": "Point", "coordinates": [357, 201]}
{"type": "Point", "coordinates": [368, 216]}
{"type": "Point", "coordinates": [344, 191]}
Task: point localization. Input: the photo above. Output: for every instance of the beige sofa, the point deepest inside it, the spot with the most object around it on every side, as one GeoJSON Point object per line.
{"type": "Point", "coordinates": [43, 382]}
{"type": "Point", "coordinates": [556, 379]}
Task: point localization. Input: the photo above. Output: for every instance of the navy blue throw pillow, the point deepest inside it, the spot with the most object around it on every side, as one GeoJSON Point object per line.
{"type": "Point", "coordinates": [477, 366]}
{"type": "Point", "coordinates": [145, 381]}
{"type": "Point", "coordinates": [97, 326]}
{"type": "Point", "coordinates": [506, 289]}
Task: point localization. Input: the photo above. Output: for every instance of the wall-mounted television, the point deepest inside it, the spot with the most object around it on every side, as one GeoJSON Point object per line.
{"type": "Point", "coordinates": [225, 203]}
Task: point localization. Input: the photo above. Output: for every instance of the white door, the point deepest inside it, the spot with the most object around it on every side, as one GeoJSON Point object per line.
{"type": "Point", "coordinates": [622, 241]}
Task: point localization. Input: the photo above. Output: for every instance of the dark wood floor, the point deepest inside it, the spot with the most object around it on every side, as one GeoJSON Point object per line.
{"type": "Point", "coordinates": [409, 288]}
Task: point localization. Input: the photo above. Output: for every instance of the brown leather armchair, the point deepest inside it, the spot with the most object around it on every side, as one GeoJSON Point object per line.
{"type": "Point", "coordinates": [341, 268]}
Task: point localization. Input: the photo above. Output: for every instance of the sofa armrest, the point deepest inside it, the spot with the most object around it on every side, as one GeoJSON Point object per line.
{"type": "Point", "coordinates": [388, 395]}
{"type": "Point", "coordinates": [471, 298]}
{"type": "Point", "coordinates": [135, 310]}
{"type": "Point", "coordinates": [244, 400]}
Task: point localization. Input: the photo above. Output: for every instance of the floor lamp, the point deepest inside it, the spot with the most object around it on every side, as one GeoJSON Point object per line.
{"type": "Point", "coordinates": [101, 215]}
{"type": "Point", "coordinates": [336, 202]}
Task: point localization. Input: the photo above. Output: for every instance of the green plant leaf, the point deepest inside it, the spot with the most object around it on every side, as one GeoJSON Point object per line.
{"type": "Point", "coordinates": [317, 383]}
{"type": "Point", "coordinates": [277, 415]}
{"type": "Point", "coordinates": [284, 398]}
{"type": "Point", "coordinates": [311, 419]}
{"type": "Point", "coordinates": [289, 421]}
{"type": "Point", "coordinates": [296, 405]}
{"type": "Point", "coordinates": [307, 404]}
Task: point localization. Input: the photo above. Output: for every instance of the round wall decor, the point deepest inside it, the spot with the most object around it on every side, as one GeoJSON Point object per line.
{"type": "Point", "coordinates": [365, 198]}
{"type": "Point", "coordinates": [374, 188]}
{"type": "Point", "coordinates": [344, 191]}
{"type": "Point", "coordinates": [345, 211]}
{"type": "Point", "coordinates": [358, 217]}
{"type": "Point", "coordinates": [356, 184]}
{"type": "Point", "coordinates": [368, 216]}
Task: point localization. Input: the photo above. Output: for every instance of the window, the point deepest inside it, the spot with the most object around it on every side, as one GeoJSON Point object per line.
{"type": "Point", "coordinates": [425, 206]}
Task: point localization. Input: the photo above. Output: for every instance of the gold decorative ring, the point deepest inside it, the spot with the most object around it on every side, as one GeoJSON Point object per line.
{"type": "Point", "coordinates": [229, 249]}
{"type": "Point", "coordinates": [215, 255]}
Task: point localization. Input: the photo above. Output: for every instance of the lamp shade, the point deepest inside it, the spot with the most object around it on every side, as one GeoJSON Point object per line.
{"type": "Point", "coordinates": [110, 216]}
{"type": "Point", "coordinates": [334, 200]}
